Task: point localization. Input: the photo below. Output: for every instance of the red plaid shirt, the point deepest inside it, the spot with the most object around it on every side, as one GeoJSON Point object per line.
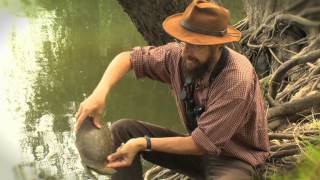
{"type": "Point", "coordinates": [234, 122]}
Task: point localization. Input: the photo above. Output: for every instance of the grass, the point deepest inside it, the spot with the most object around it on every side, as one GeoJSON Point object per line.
{"type": "Point", "coordinates": [308, 169]}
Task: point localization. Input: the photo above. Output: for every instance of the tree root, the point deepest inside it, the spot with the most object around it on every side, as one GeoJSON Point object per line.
{"type": "Point", "coordinates": [297, 21]}
{"type": "Point", "coordinates": [277, 77]}
{"type": "Point", "coordinates": [309, 12]}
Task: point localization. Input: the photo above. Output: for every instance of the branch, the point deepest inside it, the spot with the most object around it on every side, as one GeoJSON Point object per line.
{"type": "Point", "coordinates": [315, 71]}
{"type": "Point", "coordinates": [280, 136]}
{"type": "Point", "coordinates": [295, 5]}
{"type": "Point", "coordinates": [301, 22]}
{"type": "Point", "coordinates": [294, 106]}
{"type": "Point", "coordinates": [300, 135]}
{"type": "Point", "coordinates": [271, 101]}
{"type": "Point", "coordinates": [284, 153]}
{"type": "Point", "coordinates": [274, 56]}
{"type": "Point", "coordinates": [282, 70]}
{"type": "Point", "coordinates": [309, 11]}
{"type": "Point", "coordinates": [275, 123]}
{"type": "Point", "coordinates": [284, 147]}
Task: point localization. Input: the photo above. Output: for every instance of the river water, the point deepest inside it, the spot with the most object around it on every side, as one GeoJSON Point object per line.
{"type": "Point", "coordinates": [52, 55]}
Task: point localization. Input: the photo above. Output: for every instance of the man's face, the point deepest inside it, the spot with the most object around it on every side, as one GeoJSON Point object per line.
{"type": "Point", "coordinates": [197, 58]}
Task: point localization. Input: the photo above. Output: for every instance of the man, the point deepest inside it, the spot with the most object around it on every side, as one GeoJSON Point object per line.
{"type": "Point", "coordinates": [217, 94]}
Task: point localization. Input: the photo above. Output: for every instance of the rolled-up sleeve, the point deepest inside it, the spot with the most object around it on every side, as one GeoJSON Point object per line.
{"type": "Point", "coordinates": [219, 123]}
{"type": "Point", "coordinates": [154, 62]}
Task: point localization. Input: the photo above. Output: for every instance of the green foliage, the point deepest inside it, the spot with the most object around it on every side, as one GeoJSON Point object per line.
{"type": "Point", "coordinates": [308, 169]}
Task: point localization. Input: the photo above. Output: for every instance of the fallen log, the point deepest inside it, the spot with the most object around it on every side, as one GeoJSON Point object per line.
{"type": "Point", "coordinates": [295, 106]}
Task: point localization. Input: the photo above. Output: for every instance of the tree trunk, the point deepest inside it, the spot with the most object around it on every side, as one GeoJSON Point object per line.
{"type": "Point", "coordinates": [148, 15]}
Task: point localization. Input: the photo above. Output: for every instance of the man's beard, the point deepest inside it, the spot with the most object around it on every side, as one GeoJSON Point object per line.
{"type": "Point", "coordinates": [198, 69]}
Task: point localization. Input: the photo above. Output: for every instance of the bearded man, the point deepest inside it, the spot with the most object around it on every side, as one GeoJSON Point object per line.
{"type": "Point", "coordinates": [217, 94]}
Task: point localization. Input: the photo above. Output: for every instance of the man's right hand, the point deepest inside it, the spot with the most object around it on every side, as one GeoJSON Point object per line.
{"type": "Point", "coordinates": [93, 107]}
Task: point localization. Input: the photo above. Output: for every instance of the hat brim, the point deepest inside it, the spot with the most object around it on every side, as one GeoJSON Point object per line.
{"type": "Point", "coordinates": [172, 26]}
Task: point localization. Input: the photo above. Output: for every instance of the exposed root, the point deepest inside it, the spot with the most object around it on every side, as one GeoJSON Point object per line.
{"type": "Point", "coordinates": [277, 77]}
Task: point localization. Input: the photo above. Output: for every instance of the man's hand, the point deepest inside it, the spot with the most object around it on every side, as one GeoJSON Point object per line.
{"type": "Point", "coordinates": [93, 107]}
{"type": "Point", "coordinates": [126, 153]}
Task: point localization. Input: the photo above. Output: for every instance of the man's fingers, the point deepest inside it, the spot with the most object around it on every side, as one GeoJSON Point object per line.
{"type": "Point", "coordinates": [117, 160]}
{"type": "Point", "coordinates": [115, 156]}
{"type": "Point", "coordinates": [118, 164]}
{"type": "Point", "coordinates": [78, 112]}
{"type": "Point", "coordinates": [97, 121]}
{"type": "Point", "coordinates": [80, 120]}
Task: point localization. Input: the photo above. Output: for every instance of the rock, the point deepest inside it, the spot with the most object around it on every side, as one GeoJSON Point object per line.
{"type": "Point", "coordinates": [94, 145]}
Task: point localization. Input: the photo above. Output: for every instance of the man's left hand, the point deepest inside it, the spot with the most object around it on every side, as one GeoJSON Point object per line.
{"type": "Point", "coordinates": [126, 153]}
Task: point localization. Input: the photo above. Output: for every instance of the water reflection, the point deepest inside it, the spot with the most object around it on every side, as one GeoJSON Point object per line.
{"type": "Point", "coordinates": [52, 155]}
{"type": "Point", "coordinates": [60, 51]}
{"type": "Point", "coordinates": [15, 85]}
{"type": "Point", "coordinates": [53, 53]}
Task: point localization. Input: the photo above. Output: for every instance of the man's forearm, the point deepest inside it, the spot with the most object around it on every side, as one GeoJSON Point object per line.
{"type": "Point", "coordinates": [115, 71]}
{"type": "Point", "coordinates": [175, 145]}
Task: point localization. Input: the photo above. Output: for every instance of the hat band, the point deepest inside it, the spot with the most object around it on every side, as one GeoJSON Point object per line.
{"type": "Point", "coordinates": [201, 31]}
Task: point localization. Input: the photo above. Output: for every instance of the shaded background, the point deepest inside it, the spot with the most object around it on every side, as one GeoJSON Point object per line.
{"type": "Point", "coordinates": [52, 55]}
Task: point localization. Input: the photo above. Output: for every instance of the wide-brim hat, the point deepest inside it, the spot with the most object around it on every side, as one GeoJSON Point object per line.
{"type": "Point", "coordinates": [202, 23]}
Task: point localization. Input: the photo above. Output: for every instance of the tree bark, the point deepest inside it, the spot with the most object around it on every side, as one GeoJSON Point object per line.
{"type": "Point", "coordinates": [148, 15]}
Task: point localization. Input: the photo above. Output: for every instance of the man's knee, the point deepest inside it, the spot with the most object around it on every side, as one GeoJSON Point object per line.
{"type": "Point", "coordinates": [122, 126]}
